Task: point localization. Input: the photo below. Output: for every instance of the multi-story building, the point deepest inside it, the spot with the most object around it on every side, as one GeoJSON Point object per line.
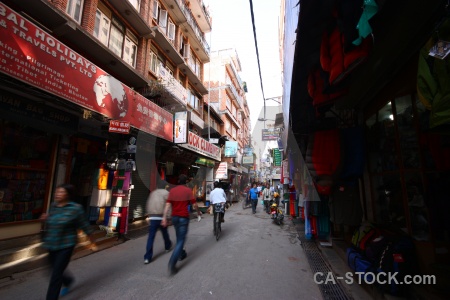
{"type": "Point", "coordinates": [227, 97]}
{"type": "Point", "coordinates": [69, 67]}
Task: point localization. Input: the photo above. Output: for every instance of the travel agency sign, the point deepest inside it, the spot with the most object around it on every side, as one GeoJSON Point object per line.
{"type": "Point", "coordinates": [33, 56]}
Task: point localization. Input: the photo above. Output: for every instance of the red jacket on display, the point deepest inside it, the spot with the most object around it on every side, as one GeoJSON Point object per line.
{"type": "Point", "coordinates": [335, 61]}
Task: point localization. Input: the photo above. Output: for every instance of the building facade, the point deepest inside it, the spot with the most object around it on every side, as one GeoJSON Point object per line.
{"type": "Point", "coordinates": [89, 92]}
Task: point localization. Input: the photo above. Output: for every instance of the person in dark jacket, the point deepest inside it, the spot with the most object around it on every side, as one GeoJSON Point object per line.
{"type": "Point", "coordinates": [62, 222]}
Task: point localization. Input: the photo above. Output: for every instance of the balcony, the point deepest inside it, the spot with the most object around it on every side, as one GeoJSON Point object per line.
{"type": "Point", "coordinates": [173, 86]}
{"type": "Point", "coordinates": [235, 94]}
{"type": "Point", "coordinates": [133, 17]}
{"type": "Point", "coordinates": [202, 15]}
{"type": "Point", "coordinates": [70, 33]}
{"type": "Point", "coordinates": [184, 18]}
{"type": "Point", "coordinates": [169, 49]}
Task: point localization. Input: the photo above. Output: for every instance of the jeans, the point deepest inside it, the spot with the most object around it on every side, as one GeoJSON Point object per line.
{"type": "Point", "coordinates": [181, 229]}
{"type": "Point", "coordinates": [152, 229]}
{"type": "Point", "coordinates": [254, 203]}
{"type": "Point", "coordinates": [59, 260]}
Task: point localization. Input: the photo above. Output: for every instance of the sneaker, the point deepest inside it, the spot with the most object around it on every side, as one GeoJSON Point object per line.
{"type": "Point", "coordinates": [64, 291]}
{"type": "Point", "coordinates": [170, 248]}
{"type": "Point", "coordinates": [183, 255]}
{"type": "Point", "coordinates": [146, 261]}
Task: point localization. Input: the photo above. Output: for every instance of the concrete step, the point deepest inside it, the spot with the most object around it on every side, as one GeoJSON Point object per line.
{"type": "Point", "coordinates": [26, 253]}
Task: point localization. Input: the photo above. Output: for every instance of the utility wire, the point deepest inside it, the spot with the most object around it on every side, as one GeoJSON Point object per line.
{"type": "Point", "coordinates": [257, 56]}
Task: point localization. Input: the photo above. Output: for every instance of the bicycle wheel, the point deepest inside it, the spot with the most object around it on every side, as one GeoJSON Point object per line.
{"type": "Point", "coordinates": [215, 223]}
{"type": "Point", "coordinates": [218, 228]}
{"type": "Point", "coordinates": [244, 204]}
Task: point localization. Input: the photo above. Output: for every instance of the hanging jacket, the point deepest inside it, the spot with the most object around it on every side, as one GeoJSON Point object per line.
{"type": "Point", "coordinates": [316, 87]}
{"type": "Point", "coordinates": [335, 61]}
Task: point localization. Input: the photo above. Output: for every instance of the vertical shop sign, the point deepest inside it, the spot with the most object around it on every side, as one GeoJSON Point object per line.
{"type": "Point", "coordinates": [180, 135]}
{"type": "Point", "coordinates": [31, 55]}
{"type": "Point", "coordinates": [230, 149]}
{"type": "Point", "coordinates": [276, 157]}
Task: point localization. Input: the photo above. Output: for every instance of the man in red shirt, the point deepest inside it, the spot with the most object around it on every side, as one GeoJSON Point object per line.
{"type": "Point", "coordinates": [179, 198]}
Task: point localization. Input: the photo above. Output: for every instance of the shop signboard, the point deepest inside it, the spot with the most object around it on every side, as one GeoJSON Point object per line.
{"type": "Point", "coordinates": [200, 145]}
{"type": "Point", "coordinates": [247, 160]}
{"type": "Point", "coordinates": [222, 171]}
{"type": "Point", "coordinates": [248, 151]}
{"type": "Point", "coordinates": [205, 162]}
{"type": "Point", "coordinates": [271, 134]}
{"type": "Point", "coordinates": [181, 122]}
{"type": "Point", "coordinates": [230, 149]}
{"type": "Point", "coordinates": [33, 56]}
{"type": "Point", "coordinates": [119, 127]}
{"type": "Point", "coordinates": [277, 157]}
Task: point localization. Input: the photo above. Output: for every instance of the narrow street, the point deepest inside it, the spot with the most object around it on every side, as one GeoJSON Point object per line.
{"type": "Point", "coordinates": [254, 259]}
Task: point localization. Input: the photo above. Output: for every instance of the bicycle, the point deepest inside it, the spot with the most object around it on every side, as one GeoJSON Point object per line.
{"type": "Point", "coordinates": [219, 208]}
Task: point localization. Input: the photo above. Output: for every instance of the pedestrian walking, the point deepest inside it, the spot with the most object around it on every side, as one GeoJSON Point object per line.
{"type": "Point", "coordinates": [253, 194]}
{"type": "Point", "coordinates": [267, 197]}
{"type": "Point", "coordinates": [180, 197]}
{"type": "Point", "coordinates": [155, 209]}
{"type": "Point", "coordinates": [63, 220]}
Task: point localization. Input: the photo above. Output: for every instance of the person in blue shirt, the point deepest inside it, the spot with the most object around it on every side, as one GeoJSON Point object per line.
{"type": "Point", "coordinates": [253, 194]}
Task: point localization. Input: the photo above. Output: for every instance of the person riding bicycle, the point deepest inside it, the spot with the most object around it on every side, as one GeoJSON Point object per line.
{"type": "Point", "coordinates": [218, 195]}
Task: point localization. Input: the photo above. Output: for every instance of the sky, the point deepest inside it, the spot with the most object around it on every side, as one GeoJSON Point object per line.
{"type": "Point", "coordinates": [232, 28]}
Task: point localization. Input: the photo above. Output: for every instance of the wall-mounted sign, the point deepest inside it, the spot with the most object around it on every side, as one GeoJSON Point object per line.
{"type": "Point", "coordinates": [230, 149]}
{"type": "Point", "coordinates": [180, 136]}
{"type": "Point", "coordinates": [222, 171]}
{"type": "Point", "coordinates": [202, 146]}
{"type": "Point", "coordinates": [119, 127]}
{"type": "Point", "coordinates": [247, 160]}
{"type": "Point", "coordinates": [33, 56]}
{"type": "Point", "coordinates": [271, 134]}
{"type": "Point", "coordinates": [214, 141]}
{"type": "Point", "coordinates": [248, 151]}
{"type": "Point", "coordinates": [277, 157]}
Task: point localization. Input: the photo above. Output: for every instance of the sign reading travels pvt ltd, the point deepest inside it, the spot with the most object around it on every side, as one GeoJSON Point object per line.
{"type": "Point", "coordinates": [202, 146]}
{"type": "Point", "coordinates": [31, 55]}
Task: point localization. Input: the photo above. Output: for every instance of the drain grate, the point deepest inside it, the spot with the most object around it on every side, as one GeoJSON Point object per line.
{"type": "Point", "coordinates": [317, 263]}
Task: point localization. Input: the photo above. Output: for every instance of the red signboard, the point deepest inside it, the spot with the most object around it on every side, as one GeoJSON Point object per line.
{"type": "Point", "coordinates": [33, 56]}
{"type": "Point", "coordinates": [119, 127]}
{"type": "Point", "coordinates": [202, 146]}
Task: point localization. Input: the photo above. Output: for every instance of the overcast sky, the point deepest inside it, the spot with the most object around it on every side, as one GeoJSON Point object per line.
{"type": "Point", "coordinates": [232, 28]}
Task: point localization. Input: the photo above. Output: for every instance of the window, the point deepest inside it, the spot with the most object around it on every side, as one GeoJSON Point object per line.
{"type": "Point", "coordinates": [171, 31]}
{"type": "Point", "coordinates": [101, 28]}
{"type": "Point", "coordinates": [155, 9]}
{"type": "Point", "coordinates": [74, 8]}
{"type": "Point", "coordinates": [130, 52]}
{"type": "Point", "coordinates": [228, 103]}
{"type": "Point", "coordinates": [197, 67]}
{"type": "Point", "coordinates": [116, 41]}
{"type": "Point", "coordinates": [154, 64]}
{"type": "Point", "coordinates": [227, 125]}
{"type": "Point", "coordinates": [136, 4]}
{"type": "Point", "coordinates": [233, 110]}
{"type": "Point", "coordinates": [193, 100]}
{"type": "Point", "coordinates": [162, 21]}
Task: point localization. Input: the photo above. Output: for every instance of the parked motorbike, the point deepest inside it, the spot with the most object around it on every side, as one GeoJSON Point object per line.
{"type": "Point", "coordinates": [276, 213]}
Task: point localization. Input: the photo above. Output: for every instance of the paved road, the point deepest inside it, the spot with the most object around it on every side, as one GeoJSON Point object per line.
{"type": "Point", "coordinates": [254, 259]}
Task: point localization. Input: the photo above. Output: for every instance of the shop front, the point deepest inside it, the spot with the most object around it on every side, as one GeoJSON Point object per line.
{"type": "Point", "coordinates": [63, 119]}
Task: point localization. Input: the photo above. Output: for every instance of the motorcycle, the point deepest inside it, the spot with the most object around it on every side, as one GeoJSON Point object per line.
{"type": "Point", "coordinates": [276, 213]}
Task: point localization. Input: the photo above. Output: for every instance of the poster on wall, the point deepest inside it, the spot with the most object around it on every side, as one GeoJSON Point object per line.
{"type": "Point", "coordinates": [180, 135]}
{"type": "Point", "coordinates": [231, 149]}
{"type": "Point", "coordinates": [209, 188]}
{"type": "Point", "coordinates": [222, 171]}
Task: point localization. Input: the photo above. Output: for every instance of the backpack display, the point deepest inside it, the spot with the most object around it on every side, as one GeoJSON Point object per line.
{"type": "Point", "coordinates": [397, 256]}
{"type": "Point", "coordinates": [364, 235]}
